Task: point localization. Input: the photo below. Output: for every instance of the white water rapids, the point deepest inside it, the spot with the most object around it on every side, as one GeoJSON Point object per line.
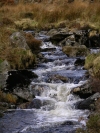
{"type": "Point", "coordinates": [57, 113]}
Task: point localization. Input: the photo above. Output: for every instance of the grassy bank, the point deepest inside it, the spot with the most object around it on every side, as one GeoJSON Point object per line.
{"type": "Point", "coordinates": [45, 16]}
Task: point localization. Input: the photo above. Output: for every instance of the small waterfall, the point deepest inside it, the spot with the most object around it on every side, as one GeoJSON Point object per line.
{"type": "Point", "coordinates": [56, 111]}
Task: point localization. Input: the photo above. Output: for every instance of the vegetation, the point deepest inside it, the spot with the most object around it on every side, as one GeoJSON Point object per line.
{"type": "Point", "coordinates": [33, 43]}
{"type": "Point", "coordinates": [93, 124]}
{"type": "Point", "coordinates": [92, 62]}
{"type": "Point", "coordinates": [42, 16]}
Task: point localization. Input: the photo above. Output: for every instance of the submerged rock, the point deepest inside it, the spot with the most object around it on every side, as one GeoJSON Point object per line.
{"type": "Point", "coordinates": [80, 62]}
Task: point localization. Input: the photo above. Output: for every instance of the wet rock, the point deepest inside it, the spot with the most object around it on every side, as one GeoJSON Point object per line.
{"type": "Point", "coordinates": [45, 104]}
{"type": "Point", "coordinates": [80, 62]}
{"type": "Point", "coordinates": [83, 91]}
{"type": "Point", "coordinates": [88, 103]}
{"type": "Point", "coordinates": [17, 39]}
{"type": "Point", "coordinates": [36, 103]}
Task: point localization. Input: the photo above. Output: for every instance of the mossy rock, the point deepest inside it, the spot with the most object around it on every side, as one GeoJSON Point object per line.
{"type": "Point", "coordinates": [74, 51]}
{"type": "Point", "coordinates": [20, 58]}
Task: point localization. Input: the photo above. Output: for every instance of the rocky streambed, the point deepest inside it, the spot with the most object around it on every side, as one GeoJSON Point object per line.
{"type": "Point", "coordinates": [55, 97]}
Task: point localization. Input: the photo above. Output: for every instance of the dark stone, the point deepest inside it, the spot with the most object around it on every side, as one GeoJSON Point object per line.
{"type": "Point", "coordinates": [67, 123]}
{"type": "Point", "coordinates": [19, 78]}
{"type": "Point", "coordinates": [88, 103]}
{"type": "Point", "coordinates": [48, 49]}
{"type": "Point", "coordinates": [94, 41]}
{"type": "Point", "coordinates": [80, 62]}
{"type": "Point", "coordinates": [59, 37]}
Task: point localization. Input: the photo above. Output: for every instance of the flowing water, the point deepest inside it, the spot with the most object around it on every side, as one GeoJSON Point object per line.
{"type": "Point", "coordinates": [55, 104]}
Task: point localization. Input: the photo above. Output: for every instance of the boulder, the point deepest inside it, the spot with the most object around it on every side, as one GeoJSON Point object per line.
{"type": "Point", "coordinates": [19, 78]}
{"type": "Point", "coordinates": [23, 93]}
{"type": "Point", "coordinates": [84, 91]}
{"type": "Point", "coordinates": [88, 103]}
{"type": "Point", "coordinates": [17, 39]}
{"type": "Point", "coordinates": [44, 103]}
{"type": "Point", "coordinates": [59, 36]}
{"type": "Point", "coordinates": [36, 103]}
{"type": "Point", "coordinates": [68, 41]}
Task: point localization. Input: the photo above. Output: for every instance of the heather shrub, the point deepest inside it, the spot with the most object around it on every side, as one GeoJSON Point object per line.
{"type": "Point", "coordinates": [33, 43]}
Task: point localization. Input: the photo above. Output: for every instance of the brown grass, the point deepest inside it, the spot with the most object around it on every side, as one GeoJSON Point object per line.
{"type": "Point", "coordinates": [7, 97]}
